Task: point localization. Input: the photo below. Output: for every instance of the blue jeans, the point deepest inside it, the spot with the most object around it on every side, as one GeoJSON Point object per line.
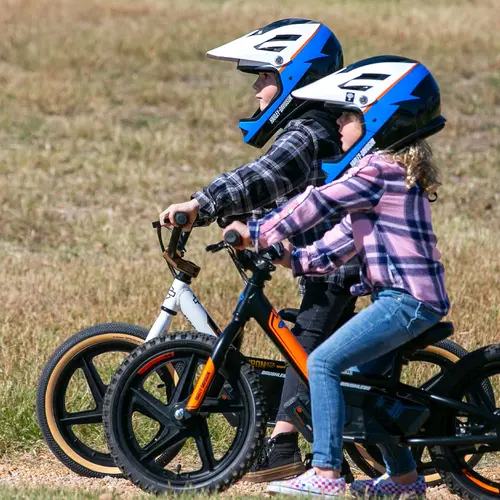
{"type": "Point", "coordinates": [324, 307]}
{"type": "Point", "coordinates": [393, 319]}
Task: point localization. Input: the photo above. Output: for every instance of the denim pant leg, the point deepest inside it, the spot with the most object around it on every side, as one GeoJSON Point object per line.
{"type": "Point", "coordinates": [398, 460]}
{"type": "Point", "coordinates": [324, 306]}
{"type": "Point", "coordinates": [393, 319]}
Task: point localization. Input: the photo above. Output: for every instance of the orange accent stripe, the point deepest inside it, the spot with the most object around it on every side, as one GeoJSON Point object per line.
{"type": "Point", "coordinates": [389, 88]}
{"type": "Point", "coordinates": [298, 50]}
{"type": "Point", "coordinates": [289, 342]}
{"type": "Point", "coordinates": [201, 386]}
{"type": "Point", "coordinates": [480, 483]}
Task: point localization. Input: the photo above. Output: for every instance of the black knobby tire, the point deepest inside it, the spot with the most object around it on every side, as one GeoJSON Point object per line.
{"type": "Point", "coordinates": [465, 382]}
{"type": "Point", "coordinates": [368, 458]}
{"type": "Point", "coordinates": [130, 392]}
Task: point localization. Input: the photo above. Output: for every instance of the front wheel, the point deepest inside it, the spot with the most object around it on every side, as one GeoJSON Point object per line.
{"type": "Point", "coordinates": [141, 421]}
{"type": "Point", "coordinates": [71, 391]}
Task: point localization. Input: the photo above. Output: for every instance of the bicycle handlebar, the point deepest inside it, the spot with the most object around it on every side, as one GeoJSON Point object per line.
{"type": "Point", "coordinates": [249, 260]}
{"type": "Point", "coordinates": [180, 218]}
{"type": "Point", "coordinates": [274, 252]}
{"type": "Point", "coordinates": [232, 238]}
{"type": "Point", "coordinates": [176, 246]}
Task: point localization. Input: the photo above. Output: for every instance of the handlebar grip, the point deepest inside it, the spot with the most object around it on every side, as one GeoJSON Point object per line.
{"type": "Point", "coordinates": [156, 224]}
{"type": "Point", "coordinates": [181, 218]}
{"type": "Point", "coordinates": [232, 238]}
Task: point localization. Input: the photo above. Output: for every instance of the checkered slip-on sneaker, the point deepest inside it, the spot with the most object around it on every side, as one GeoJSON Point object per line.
{"type": "Point", "coordinates": [384, 486]}
{"type": "Point", "coordinates": [309, 484]}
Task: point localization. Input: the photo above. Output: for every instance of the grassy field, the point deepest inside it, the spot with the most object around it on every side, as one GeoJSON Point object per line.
{"type": "Point", "coordinates": [111, 111]}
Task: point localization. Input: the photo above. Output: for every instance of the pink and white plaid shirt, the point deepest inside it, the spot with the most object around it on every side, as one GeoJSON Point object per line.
{"type": "Point", "coordinates": [388, 226]}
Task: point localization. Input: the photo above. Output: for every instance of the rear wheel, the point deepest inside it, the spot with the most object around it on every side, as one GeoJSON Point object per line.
{"type": "Point", "coordinates": [479, 478]}
{"type": "Point", "coordinates": [218, 444]}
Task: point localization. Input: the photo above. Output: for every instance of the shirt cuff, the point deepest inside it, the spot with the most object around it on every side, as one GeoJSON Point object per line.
{"type": "Point", "coordinates": [254, 227]}
{"type": "Point", "coordinates": [207, 205]}
{"type": "Point", "coordinates": [296, 263]}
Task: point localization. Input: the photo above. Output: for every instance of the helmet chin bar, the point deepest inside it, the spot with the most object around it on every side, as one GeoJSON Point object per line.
{"type": "Point", "coordinates": [259, 137]}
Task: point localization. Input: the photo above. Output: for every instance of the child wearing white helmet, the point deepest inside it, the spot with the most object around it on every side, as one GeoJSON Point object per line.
{"type": "Point", "coordinates": [286, 55]}
{"type": "Point", "coordinates": [389, 105]}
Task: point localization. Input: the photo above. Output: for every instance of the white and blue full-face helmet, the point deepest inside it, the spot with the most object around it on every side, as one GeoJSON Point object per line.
{"type": "Point", "coordinates": [397, 99]}
{"type": "Point", "coordinates": [298, 52]}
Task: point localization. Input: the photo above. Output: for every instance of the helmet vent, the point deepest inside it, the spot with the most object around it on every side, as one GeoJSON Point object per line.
{"type": "Point", "coordinates": [371, 76]}
{"type": "Point", "coordinates": [290, 38]}
{"type": "Point", "coordinates": [348, 86]}
{"type": "Point", "coordinates": [271, 49]}
{"type": "Point", "coordinates": [269, 45]}
{"type": "Point", "coordinates": [365, 76]}
{"type": "Point", "coordinates": [280, 24]}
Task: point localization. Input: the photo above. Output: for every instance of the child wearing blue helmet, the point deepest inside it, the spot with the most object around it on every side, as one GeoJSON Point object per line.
{"type": "Point", "coordinates": [389, 106]}
{"type": "Point", "coordinates": [286, 55]}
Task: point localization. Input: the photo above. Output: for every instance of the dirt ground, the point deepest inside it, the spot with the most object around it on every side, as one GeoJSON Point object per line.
{"type": "Point", "coordinates": [43, 470]}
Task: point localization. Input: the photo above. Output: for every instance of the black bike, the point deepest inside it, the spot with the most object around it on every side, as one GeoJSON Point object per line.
{"type": "Point", "coordinates": [214, 415]}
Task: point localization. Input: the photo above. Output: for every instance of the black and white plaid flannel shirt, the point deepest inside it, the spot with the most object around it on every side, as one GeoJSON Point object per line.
{"type": "Point", "coordinates": [291, 164]}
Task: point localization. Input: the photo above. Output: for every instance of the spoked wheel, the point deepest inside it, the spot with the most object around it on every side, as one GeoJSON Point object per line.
{"type": "Point", "coordinates": [71, 392]}
{"type": "Point", "coordinates": [425, 368]}
{"type": "Point", "coordinates": [479, 478]}
{"type": "Point", "coordinates": [141, 421]}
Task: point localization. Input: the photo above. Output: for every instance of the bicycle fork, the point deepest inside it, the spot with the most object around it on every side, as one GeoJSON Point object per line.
{"type": "Point", "coordinates": [252, 304]}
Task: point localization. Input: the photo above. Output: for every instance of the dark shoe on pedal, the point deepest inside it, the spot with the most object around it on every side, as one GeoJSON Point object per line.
{"type": "Point", "coordinates": [279, 458]}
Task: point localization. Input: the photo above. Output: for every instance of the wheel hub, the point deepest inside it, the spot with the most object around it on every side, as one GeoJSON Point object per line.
{"type": "Point", "coordinates": [179, 414]}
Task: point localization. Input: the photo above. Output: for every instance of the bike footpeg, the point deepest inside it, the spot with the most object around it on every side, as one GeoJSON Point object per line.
{"type": "Point", "coordinates": [232, 418]}
{"type": "Point", "coordinates": [299, 411]}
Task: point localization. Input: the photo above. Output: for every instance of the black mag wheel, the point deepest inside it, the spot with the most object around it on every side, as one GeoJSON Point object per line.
{"type": "Point", "coordinates": [479, 478]}
{"type": "Point", "coordinates": [425, 368]}
{"type": "Point", "coordinates": [71, 392]}
{"type": "Point", "coordinates": [219, 444]}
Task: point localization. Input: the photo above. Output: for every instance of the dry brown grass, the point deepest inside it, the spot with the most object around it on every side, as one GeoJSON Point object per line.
{"type": "Point", "coordinates": [110, 111]}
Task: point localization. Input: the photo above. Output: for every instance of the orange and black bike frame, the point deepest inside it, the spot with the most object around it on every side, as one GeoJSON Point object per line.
{"type": "Point", "coordinates": [252, 304]}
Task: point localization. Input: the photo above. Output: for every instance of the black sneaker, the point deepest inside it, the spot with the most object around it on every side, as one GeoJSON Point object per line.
{"type": "Point", "coordinates": [279, 458]}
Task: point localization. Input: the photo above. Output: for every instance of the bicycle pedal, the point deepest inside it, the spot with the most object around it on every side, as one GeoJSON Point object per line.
{"type": "Point", "coordinates": [232, 418]}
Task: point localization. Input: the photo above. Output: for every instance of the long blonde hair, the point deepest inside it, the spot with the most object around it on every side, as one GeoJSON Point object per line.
{"type": "Point", "coordinates": [419, 163]}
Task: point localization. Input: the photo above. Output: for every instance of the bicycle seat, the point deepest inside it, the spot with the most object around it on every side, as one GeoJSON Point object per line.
{"type": "Point", "coordinates": [434, 334]}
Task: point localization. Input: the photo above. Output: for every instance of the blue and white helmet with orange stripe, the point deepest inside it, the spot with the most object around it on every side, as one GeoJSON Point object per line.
{"type": "Point", "coordinates": [397, 98]}
{"type": "Point", "coordinates": [298, 52]}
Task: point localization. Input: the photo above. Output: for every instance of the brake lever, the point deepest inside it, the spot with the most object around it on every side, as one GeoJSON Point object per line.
{"type": "Point", "coordinates": [274, 252]}
{"type": "Point", "coordinates": [216, 247]}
